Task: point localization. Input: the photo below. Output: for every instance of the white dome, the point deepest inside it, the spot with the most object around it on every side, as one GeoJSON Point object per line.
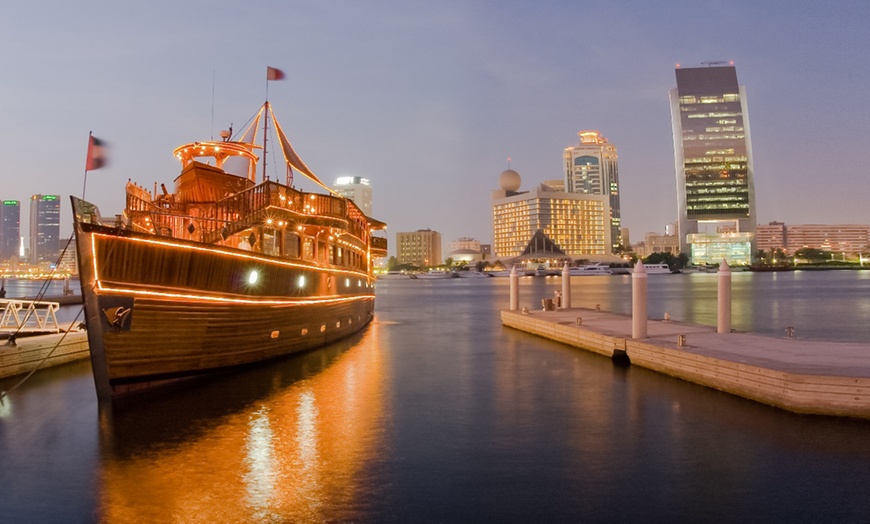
{"type": "Point", "coordinates": [509, 180]}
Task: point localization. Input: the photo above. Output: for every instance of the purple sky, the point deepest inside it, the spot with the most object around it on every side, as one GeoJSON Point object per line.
{"type": "Point", "coordinates": [429, 99]}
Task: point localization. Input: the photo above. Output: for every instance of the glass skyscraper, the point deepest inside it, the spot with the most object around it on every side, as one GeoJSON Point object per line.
{"type": "Point", "coordinates": [713, 160]}
{"type": "Point", "coordinates": [44, 228]}
{"type": "Point", "coordinates": [10, 229]}
{"type": "Point", "coordinates": [592, 168]}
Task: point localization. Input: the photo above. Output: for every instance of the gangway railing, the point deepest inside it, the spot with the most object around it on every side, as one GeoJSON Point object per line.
{"type": "Point", "coordinates": [28, 316]}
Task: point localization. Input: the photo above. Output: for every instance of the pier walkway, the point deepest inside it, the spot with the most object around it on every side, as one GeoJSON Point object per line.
{"type": "Point", "coordinates": [803, 376]}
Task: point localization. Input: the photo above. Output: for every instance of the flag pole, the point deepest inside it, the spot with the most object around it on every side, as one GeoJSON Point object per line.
{"type": "Point", "coordinates": [87, 159]}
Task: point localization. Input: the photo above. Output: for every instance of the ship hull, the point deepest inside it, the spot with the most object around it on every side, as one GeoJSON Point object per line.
{"type": "Point", "coordinates": [160, 310]}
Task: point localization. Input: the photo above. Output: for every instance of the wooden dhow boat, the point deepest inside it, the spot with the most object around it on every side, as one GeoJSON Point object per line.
{"type": "Point", "coordinates": [224, 271]}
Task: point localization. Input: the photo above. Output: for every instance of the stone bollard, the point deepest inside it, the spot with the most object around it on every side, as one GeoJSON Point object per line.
{"type": "Point", "coordinates": [515, 289]}
{"type": "Point", "coordinates": [638, 301]}
{"type": "Point", "coordinates": [566, 287]}
{"type": "Point", "coordinates": [723, 324]}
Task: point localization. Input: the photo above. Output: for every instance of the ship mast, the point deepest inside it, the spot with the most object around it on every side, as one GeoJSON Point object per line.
{"type": "Point", "coordinates": [265, 135]}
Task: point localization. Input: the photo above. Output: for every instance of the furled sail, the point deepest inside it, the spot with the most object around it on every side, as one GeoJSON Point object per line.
{"type": "Point", "coordinates": [292, 158]}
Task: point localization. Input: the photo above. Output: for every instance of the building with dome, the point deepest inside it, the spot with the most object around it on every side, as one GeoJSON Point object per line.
{"type": "Point", "coordinates": [578, 223]}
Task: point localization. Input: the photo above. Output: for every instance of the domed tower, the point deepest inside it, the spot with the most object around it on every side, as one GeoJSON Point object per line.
{"type": "Point", "coordinates": [509, 181]}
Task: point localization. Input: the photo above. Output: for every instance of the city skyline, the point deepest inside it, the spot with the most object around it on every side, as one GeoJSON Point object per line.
{"type": "Point", "coordinates": [428, 102]}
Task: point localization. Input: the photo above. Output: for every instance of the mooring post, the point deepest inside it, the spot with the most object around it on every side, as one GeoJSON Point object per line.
{"type": "Point", "coordinates": [638, 301]}
{"type": "Point", "coordinates": [515, 289]}
{"type": "Point", "coordinates": [723, 324]}
{"type": "Point", "coordinates": [566, 287]}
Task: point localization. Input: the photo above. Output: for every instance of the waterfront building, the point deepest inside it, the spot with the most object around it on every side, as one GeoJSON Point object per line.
{"type": "Point", "coordinates": [421, 248]}
{"type": "Point", "coordinates": [770, 237]}
{"type": "Point", "coordinates": [10, 230]}
{"type": "Point", "coordinates": [44, 229]}
{"type": "Point", "coordinates": [714, 169]}
{"type": "Point", "coordinates": [626, 238]}
{"type": "Point", "coordinates": [657, 243]}
{"type": "Point", "coordinates": [592, 168]}
{"type": "Point", "coordinates": [578, 223]}
{"type": "Point", "coordinates": [464, 249]}
{"type": "Point", "coordinates": [464, 243]}
{"type": "Point", "coordinates": [356, 188]}
{"type": "Point", "coordinates": [67, 262]}
{"type": "Point", "coordinates": [846, 239]}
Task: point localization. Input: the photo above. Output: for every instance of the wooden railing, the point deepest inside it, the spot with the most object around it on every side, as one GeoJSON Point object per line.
{"type": "Point", "coordinates": [238, 212]}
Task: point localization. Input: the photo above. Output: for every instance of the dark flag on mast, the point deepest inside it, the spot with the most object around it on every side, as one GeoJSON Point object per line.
{"type": "Point", "coordinates": [274, 74]}
{"type": "Point", "coordinates": [96, 153]}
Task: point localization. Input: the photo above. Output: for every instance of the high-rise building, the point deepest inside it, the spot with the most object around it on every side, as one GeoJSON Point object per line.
{"type": "Point", "coordinates": [713, 160]}
{"type": "Point", "coordinates": [578, 223]}
{"type": "Point", "coordinates": [592, 168]}
{"type": "Point", "coordinates": [44, 228]}
{"type": "Point", "coordinates": [357, 189]}
{"type": "Point", "coordinates": [10, 229]}
{"type": "Point", "coordinates": [421, 247]}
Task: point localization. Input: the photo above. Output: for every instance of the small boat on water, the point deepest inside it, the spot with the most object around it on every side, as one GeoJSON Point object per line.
{"type": "Point", "coordinates": [394, 275]}
{"type": "Point", "coordinates": [590, 269]}
{"type": "Point", "coordinates": [224, 270]}
{"type": "Point", "coordinates": [544, 271]}
{"type": "Point", "coordinates": [434, 275]}
{"type": "Point", "coordinates": [657, 269]}
{"type": "Point", "coordinates": [471, 274]}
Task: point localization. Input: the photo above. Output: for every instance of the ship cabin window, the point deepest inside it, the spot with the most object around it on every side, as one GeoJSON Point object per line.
{"type": "Point", "coordinates": [270, 242]}
{"type": "Point", "coordinates": [308, 248]}
{"type": "Point", "coordinates": [292, 244]}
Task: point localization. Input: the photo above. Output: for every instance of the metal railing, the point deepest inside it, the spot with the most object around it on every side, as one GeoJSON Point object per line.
{"type": "Point", "coordinates": [28, 316]}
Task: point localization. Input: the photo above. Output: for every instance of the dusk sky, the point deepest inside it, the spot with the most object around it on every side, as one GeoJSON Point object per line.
{"type": "Point", "coordinates": [429, 99]}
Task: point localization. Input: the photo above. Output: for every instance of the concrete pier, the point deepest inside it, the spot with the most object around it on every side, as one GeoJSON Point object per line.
{"type": "Point", "coordinates": [43, 351]}
{"type": "Point", "coordinates": [803, 376]}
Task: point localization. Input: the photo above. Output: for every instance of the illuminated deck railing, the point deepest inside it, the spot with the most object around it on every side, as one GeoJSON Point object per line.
{"type": "Point", "coordinates": [241, 211]}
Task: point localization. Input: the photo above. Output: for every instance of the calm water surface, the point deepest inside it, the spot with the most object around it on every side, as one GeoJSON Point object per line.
{"type": "Point", "coordinates": [436, 413]}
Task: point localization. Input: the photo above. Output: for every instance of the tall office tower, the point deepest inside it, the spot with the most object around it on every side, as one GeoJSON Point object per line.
{"type": "Point", "coordinates": [421, 247]}
{"type": "Point", "coordinates": [357, 189]}
{"type": "Point", "coordinates": [576, 222]}
{"type": "Point", "coordinates": [713, 160]}
{"type": "Point", "coordinates": [592, 168]}
{"type": "Point", "coordinates": [44, 228]}
{"type": "Point", "coordinates": [10, 229]}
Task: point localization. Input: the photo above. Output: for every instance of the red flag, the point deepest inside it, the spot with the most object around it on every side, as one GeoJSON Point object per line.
{"type": "Point", "coordinates": [274, 74]}
{"type": "Point", "coordinates": [96, 153]}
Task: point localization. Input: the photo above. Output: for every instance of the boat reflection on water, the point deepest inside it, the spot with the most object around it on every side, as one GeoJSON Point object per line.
{"type": "Point", "coordinates": [283, 442]}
